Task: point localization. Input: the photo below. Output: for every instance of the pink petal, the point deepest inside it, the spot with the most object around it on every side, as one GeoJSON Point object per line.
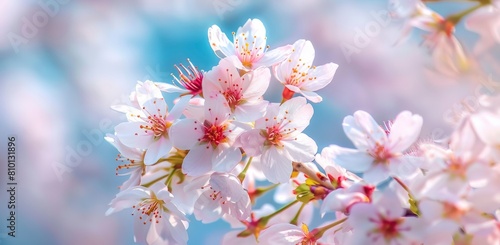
{"type": "Point", "coordinates": [217, 109]}
{"type": "Point", "coordinates": [363, 131]}
{"type": "Point", "coordinates": [404, 131]}
{"type": "Point", "coordinates": [197, 161]}
{"type": "Point", "coordinates": [376, 174]}
{"type": "Point", "coordinates": [219, 42]}
{"type": "Point", "coordinates": [255, 83]}
{"type": "Point", "coordinates": [274, 56]}
{"type": "Point", "coordinates": [275, 165]}
{"type": "Point", "coordinates": [282, 234]}
{"type": "Point", "coordinates": [350, 159]}
{"type": "Point", "coordinates": [321, 76]}
{"type": "Point", "coordinates": [132, 135]}
{"type": "Point", "coordinates": [302, 148]}
{"type": "Point", "coordinates": [156, 150]}
{"type": "Point", "coordinates": [185, 133]}
{"type": "Point", "coordinates": [225, 158]}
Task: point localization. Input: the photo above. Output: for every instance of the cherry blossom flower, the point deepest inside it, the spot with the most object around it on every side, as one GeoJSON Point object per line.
{"type": "Point", "coordinates": [150, 130]}
{"type": "Point", "coordinates": [135, 159]}
{"type": "Point", "coordinates": [222, 194]}
{"type": "Point", "coordinates": [188, 83]}
{"type": "Point", "coordinates": [299, 75]}
{"type": "Point", "coordinates": [278, 138]}
{"type": "Point", "coordinates": [209, 139]}
{"type": "Point", "coordinates": [248, 50]}
{"type": "Point", "coordinates": [242, 93]}
{"type": "Point", "coordinates": [382, 222]}
{"type": "Point", "coordinates": [157, 219]}
{"type": "Point", "coordinates": [379, 155]}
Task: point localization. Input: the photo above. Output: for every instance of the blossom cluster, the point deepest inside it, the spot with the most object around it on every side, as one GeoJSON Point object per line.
{"type": "Point", "coordinates": [210, 154]}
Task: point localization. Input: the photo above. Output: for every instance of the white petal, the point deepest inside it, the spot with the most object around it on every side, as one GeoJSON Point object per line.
{"type": "Point", "coordinates": [132, 135]}
{"type": "Point", "coordinates": [352, 160]}
{"type": "Point", "coordinates": [251, 141]}
{"type": "Point", "coordinates": [185, 133]}
{"type": "Point", "coordinates": [282, 234]}
{"type": "Point", "coordinates": [249, 112]}
{"type": "Point", "coordinates": [127, 199]}
{"type": "Point", "coordinates": [206, 209]}
{"type": "Point", "coordinates": [487, 126]}
{"type": "Point", "coordinates": [404, 131]}
{"type": "Point", "coordinates": [197, 161]}
{"type": "Point", "coordinates": [276, 166]}
{"type": "Point", "coordinates": [219, 42]}
{"type": "Point", "coordinates": [362, 216]}
{"type": "Point", "coordinates": [179, 107]}
{"type": "Point", "coordinates": [312, 96]}
{"type": "Point", "coordinates": [217, 109]}
{"type": "Point", "coordinates": [298, 114]}
{"type": "Point", "coordinates": [126, 151]}
{"type": "Point", "coordinates": [155, 107]}
{"type": "Point", "coordinates": [170, 88]}
{"type": "Point", "coordinates": [321, 76]}
{"type": "Point", "coordinates": [156, 150]}
{"type": "Point", "coordinates": [363, 131]}
{"type": "Point", "coordinates": [255, 83]}
{"type": "Point", "coordinates": [225, 159]}
{"type": "Point", "coordinates": [301, 149]}
{"type": "Point", "coordinates": [376, 174]}
{"type": "Point", "coordinates": [274, 56]}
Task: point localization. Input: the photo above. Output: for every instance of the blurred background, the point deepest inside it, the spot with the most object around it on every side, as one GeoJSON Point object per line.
{"type": "Point", "coordinates": [62, 64]}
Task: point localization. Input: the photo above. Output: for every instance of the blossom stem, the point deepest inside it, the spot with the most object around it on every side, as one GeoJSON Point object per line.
{"type": "Point", "coordinates": [243, 173]}
{"type": "Point", "coordinates": [413, 202]}
{"type": "Point", "coordinates": [263, 220]}
{"type": "Point", "coordinates": [149, 184]}
{"type": "Point", "coordinates": [168, 182]}
{"type": "Point", "coordinates": [320, 231]}
{"type": "Point", "coordinates": [455, 18]}
{"type": "Point", "coordinates": [262, 190]}
{"type": "Point", "coordinates": [402, 184]}
{"type": "Point", "coordinates": [316, 176]}
{"type": "Point", "coordinates": [296, 218]}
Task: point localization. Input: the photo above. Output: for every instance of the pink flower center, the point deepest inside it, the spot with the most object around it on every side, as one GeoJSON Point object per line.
{"type": "Point", "coordinates": [456, 167]}
{"type": "Point", "coordinates": [389, 229]}
{"type": "Point", "coordinates": [158, 125]}
{"type": "Point", "coordinates": [233, 95]}
{"type": "Point", "coordinates": [452, 211]}
{"type": "Point", "coordinates": [248, 52]}
{"type": "Point", "coordinates": [149, 209]}
{"type": "Point", "coordinates": [215, 195]}
{"type": "Point", "coordinates": [132, 164]}
{"type": "Point", "coordinates": [274, 136]}
{"type": "Point", "coordinates": [192, 81]}
{"type": "Point", "coordinates": [381, 154]}
{"type": "Point", "coordinates": [214, 134]}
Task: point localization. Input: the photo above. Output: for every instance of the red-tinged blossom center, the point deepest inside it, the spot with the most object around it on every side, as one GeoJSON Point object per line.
{"type": "Point", "coordinates": [389, 229]}
{"type": "Point", "coordinates": [381, 154]}
{"type": "Point", "coordinates": [214, 134]}
{"type": "Point", "coordinates": [192, 80]}
{"type": "Point", "coordinates": [149, 210]}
